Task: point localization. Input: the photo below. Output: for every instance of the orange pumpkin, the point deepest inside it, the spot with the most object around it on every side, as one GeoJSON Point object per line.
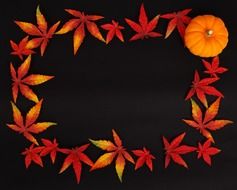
{"type": "Point", "coordinates": [206, 36]}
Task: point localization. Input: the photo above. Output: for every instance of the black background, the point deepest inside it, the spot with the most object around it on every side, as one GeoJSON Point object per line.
{"type": "Point", "coordinates": [137, 88]}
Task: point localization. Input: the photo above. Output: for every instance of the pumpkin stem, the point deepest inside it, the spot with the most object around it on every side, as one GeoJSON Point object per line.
{"type": "Point", "coordinates": [209, 33]}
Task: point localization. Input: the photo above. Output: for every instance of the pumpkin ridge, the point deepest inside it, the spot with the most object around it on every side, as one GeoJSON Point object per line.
{"type": "Point", "coordinates": [194, 21]}
{"type": "Point", "coordinates": [221, 40]}
{"type": "Point", "coordinates": [212, 47]}
{"type": "Point", "coordinates": [220, 43]}
{"type": "Point", "coordinates": [202, 18]}
{"type": "Point", "coordinates": [194, 32]}
{"type": "Point", "coordinates": [198, 47]}
{"type": "Point", "coordinates": [190, 47]}
{"type": "Point", "coordinates": [222, 35]}
{"type": "Point", "coordinates": [203, 47]}
{"type": "Point", "coordinates": [210, 22]}
{"type": "Point", "coordinates": [213, 23]}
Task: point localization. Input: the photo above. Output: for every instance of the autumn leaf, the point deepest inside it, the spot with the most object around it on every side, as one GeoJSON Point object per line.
{"type": "Point", "coordinates": [114, 152]}
{"type": "Point", "coordinates": [178, 20]}
{"type": "Point", "coordinates": [213, 68]}
{"type": "Point", "coordinates": [174, 150]}
{"type": "Point", "coordinates": [201, 87]}
{"type": "Point", "coordinates": [114, 29]}
{"type": "Point", "coordinates": [21, 82]}
{"type": "Point", "coordinates": [144, 29]}
{"type": "Point", "coordinates": [41, 33]}
{"type": "Point", "coordinates": [206, 123]}
{"type": "Point", "coordinates": [79, 23]}
{"type": "Point", "coordinates": [30, 126]}
{"type": "Point", "coordinates": [21, 49]}
{"type": "Point", "coordinates": [144, 157]}
{"type": "Point", "coordinates": [32, 154]}
{"type": "Point", "coordinates": [51, 148]}
{"type": "Point", "coordinates": [206, 151]}
{"type": "Point", "coordinates": [76, 157]}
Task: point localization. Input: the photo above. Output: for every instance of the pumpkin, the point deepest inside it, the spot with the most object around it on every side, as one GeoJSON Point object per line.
{"type": "Point", "coordinates": [206, 36]}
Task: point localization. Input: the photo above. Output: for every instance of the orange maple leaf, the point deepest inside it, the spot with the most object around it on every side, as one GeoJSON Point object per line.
{"type": "Point", "coordinates": [21, 82]}
{"type": "Point", "coordinates": [205, 151]}
{"type": "Point", "coordinates": [173, 150]}
{"type": "Point", "coordinates": [214, 68]}
{"type": "Point", "coordinates": [21, 49]}
{"type": "Point", "coordinates": [29, 127]}
{"type": "Point", "coordinates": [178, 20]}
{"type": "Point", "coordinates": [144, 157]}
{"type": "Point", "coordinates": [79, 23]}
{"type": "Point", "coordinates": [32, 154]}
{"type": "Point", "coordinates": [201, 87]}
{"type": "Point", "coordinates": [114, 29]}
{"type": "Point", "coordinates": [76, 157]}
{"type": "Point", "coordinates": [41, 32]}
{"type": "Point", "coordinates": [206, 123]}
{"type": "Point", "coordinates": [145, 28]}
{"type": "Point", "coordinates": [51, 148]}
{"type": "Point", "coordinates": [114, 150]}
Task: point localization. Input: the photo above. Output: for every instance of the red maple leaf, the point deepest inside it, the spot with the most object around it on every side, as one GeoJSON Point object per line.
{"type": "Point", "coordinates": [41, 32]}
{"type": "Point", "coordinates": [22, 82]}
{"type": "Point", "coordinates": [30, 126]}
{"type": "Point", "coordinates": [51, 147]}
{"type": "Point", "coordinates": [206, 122]}
{"type": "Point", "coordinates": [114, 150]}
{"type": "Point", "coordinates": [114, 29]}
{"type": "Point", "coordinates": [178, 20]}
{"type": "Point", "coordinates": [21, 49]}
{"type": "Point", "coordinates": [79, 23]}
{"type": "Point", "coordinates": [76, 157]}
{"type": "Point", "coordinates": [201, 87]}
{"type": "Point", "coordinates": [206, 151]}
{"type": "Point", "coordinates": [32, 154]}
{"type": "Point", "coordinates": [145, 157]}
{"type": "Point", "coordinates": [213, 68]}
{"type": "Point", "coordinates": [173, 150]}
{"type": "Point", "coordinates": [144, 29]}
